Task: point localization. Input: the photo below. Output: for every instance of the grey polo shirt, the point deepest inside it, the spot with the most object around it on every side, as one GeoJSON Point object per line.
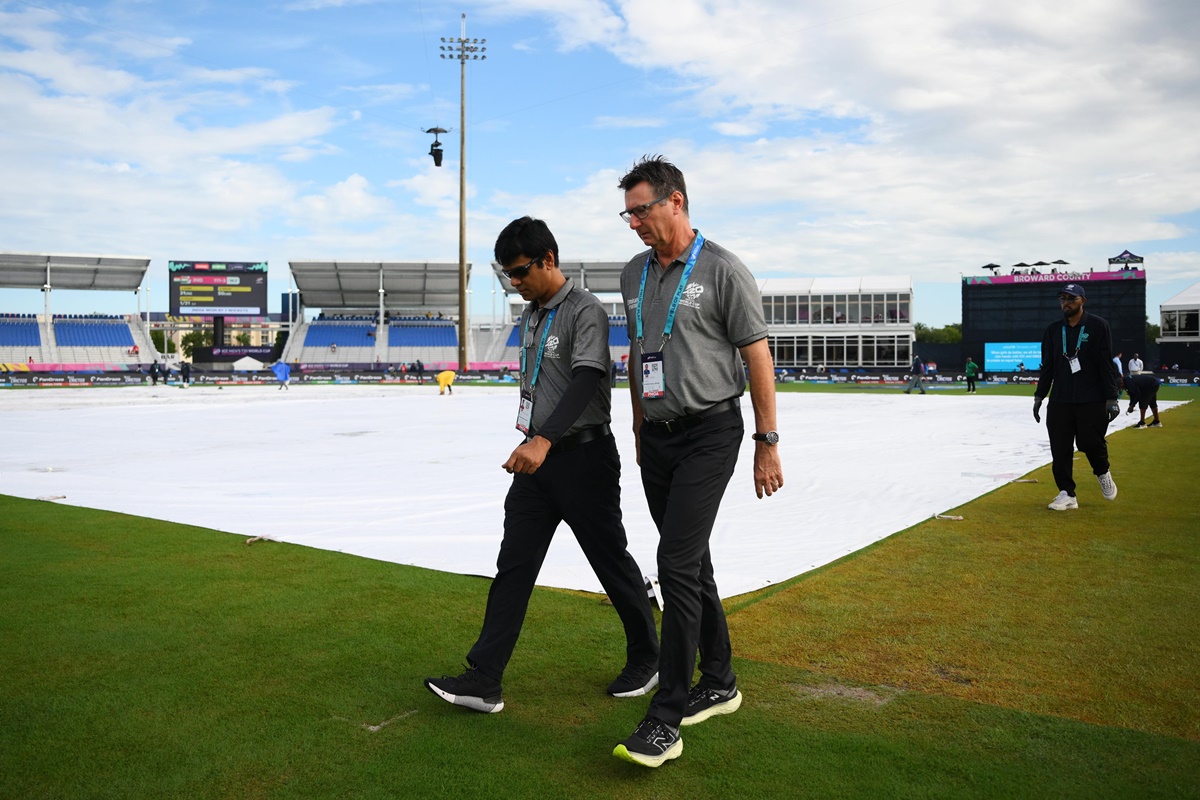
{"type": "Point", "coordinates": [720, 311]}
{"type": "Point", "coordinates": [578, 337]}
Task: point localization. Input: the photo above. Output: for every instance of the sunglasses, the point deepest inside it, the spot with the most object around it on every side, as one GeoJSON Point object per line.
{"type": "Point", "coordinates": [521, 271]}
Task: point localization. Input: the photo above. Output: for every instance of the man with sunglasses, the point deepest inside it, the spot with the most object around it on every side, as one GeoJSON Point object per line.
{"type": "Point", "coordinates": [1077, 363]}
{"type": "Point", "coordinates": [566, 470]}
{"type": "Point", "coordinates": [694, 315]}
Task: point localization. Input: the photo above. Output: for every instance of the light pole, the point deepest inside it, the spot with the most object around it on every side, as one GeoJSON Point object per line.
{"type": "Point", "coordinates": [463, 50]}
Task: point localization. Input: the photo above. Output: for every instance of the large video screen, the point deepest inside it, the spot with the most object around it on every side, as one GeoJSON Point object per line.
{"type": "Point", "coordinates": [1009, 356]}
{"type": "Point", "coordinates": [216, 288]}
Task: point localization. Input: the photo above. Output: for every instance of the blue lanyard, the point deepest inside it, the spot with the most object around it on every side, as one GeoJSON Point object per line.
{"type": "Point", "coordinates": [537, 364]}
{"type": "Point", "coordinates": [683, 279]}
{"type": "Point", "coordinates": [1078, 342]}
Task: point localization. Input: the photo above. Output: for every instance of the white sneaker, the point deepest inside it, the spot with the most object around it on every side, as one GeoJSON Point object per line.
{"type": "Point", "coordinates": [1063, 502]}
{"type": "Point", "coordinates": [1107, 487]}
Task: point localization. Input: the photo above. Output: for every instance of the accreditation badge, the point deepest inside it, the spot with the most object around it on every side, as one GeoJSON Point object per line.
{"type": "Point", "coordinates": [1075, 365]}
{"type": "Point", "coordinates": [525, 412]}
{"type": "Point", "coordinates": [653, 377]}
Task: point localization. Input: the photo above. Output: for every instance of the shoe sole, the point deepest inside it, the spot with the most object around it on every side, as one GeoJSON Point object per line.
{"type": "Point", "coordinates": [728, 707]}
{"type": "Point", "coordinates": [1063, 508]}
{"type": "Point", "coordinates": [638, 692]}
{"type": "Point", "coordinates": [653, 762]}
{"type": "Point", "coordinates": [480, 704]}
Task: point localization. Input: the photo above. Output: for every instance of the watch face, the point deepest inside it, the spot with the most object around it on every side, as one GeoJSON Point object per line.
{"type": "Point", "coordinates": [772, 437]}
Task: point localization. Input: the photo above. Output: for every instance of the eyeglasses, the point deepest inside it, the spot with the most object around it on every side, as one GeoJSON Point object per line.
{"type": "Point", "coordinates": [521, 271]}
{"type": "Point", "coordinates": [642, 211]}
{"type": "Point", "coordinates": [1067, 299]}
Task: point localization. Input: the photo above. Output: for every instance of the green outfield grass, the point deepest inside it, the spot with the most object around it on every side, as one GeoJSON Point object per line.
{"type": "Point", "coordinates": [1017, 653]}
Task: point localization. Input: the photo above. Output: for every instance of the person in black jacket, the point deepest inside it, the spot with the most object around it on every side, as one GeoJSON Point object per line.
{"type": "Point", "coordinates": [1077, 363]}
{"type": "Point", "coordinates": [1143, 391]}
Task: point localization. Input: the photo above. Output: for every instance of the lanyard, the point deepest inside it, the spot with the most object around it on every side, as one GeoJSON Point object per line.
{"type": "Point", "coordinates": [683, 279]}
{"type": "Point", "coordinates": [1078, 342]}
{"type": "Point", "coordinates": [537, 364]}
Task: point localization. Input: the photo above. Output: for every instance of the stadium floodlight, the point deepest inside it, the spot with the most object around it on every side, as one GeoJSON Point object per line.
{"type": "Point", "coordinates": [463, 50]}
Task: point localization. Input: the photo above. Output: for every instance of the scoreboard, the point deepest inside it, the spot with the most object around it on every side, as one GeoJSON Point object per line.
{"type": "Point", "coordinates": [218, 288]}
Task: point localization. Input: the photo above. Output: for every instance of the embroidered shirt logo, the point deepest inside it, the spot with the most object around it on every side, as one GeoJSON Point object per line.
{"type": "Point", "coordinates": [691, 295]}
{"type": "Point", "coordinates": [552, 347]}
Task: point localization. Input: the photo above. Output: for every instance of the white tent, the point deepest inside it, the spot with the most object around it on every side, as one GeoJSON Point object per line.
{"type": "Point", "coordinates": [246, 363]}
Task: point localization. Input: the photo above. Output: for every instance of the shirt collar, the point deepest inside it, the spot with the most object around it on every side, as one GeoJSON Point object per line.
{"type": "Point", "coordinates": [559, 296]}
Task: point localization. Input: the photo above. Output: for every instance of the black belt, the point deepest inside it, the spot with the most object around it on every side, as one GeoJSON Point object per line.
{"type": "Point", "coordinates": [568, 443]}
{"type": "Point", "coordinates": [684, 423]}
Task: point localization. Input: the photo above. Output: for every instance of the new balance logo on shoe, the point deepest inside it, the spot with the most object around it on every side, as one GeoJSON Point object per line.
{"type": "Point", "coordinates": [653, 744]}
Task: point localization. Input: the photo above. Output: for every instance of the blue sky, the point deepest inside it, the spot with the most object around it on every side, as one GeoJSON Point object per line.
{"type": "Point", "coordinates": [824, 138]}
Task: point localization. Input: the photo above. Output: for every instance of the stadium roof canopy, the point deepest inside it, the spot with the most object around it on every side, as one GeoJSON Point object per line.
{"type": "Point", "coordinates": [356, 284]}
{"type": "Point", "coordinates": [1189, 298]}
{"type": "Point", "coordinates": [875, 283]}
{"type": "Point", "coordinates": [598, 277]}
{"type": "Point", "coordinates": [35, 270]}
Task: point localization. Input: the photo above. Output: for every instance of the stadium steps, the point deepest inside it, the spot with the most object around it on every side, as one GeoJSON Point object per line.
{"type": "Point", "coordinates": [381, 343]}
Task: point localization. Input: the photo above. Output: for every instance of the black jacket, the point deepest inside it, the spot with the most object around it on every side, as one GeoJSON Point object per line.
{"type": "Point", "coordinates": [1096, 380]}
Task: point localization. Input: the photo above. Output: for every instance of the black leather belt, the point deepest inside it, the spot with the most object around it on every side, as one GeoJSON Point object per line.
{"type": "Point", "coordinates": [568, 443]}
{"type": "Point", "coordinates": [684, 423]}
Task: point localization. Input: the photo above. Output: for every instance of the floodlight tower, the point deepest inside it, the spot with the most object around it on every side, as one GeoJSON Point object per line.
{"type": "Point", "coordinates": [463, 50]}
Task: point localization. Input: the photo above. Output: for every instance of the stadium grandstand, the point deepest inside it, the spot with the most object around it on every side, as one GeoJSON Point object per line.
{"type": "Point", "coordinates": [85, 342]}
{"type": "Point", "coordinates": [378, 313]}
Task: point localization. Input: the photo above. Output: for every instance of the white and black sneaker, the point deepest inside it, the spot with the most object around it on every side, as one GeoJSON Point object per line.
{"type": "Point", "coordinates": [1107, 487]}
{"type": "Point", "coordinates": [471, 690]}
{"type": "Point", "coordinates": [651, 745]}
{"type": "Point", "coordinates": [634, 681]}
{"type": "Point", "coordinates": [703, 703]}
{"type": "Point", "coordinates": [1063, 502]}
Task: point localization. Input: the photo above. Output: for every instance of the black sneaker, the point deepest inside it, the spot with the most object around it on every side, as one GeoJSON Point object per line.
{"type": "Point", "coordinates": [651, 744]}
{"type": "Point", "coordinates": [703, 703]}
{"type": "Point", "coordinates": [471, 690]}
{"type": "Point", "coordinates": [1155, 424]}
{"type": "Point", "coordinates": [634, 681]}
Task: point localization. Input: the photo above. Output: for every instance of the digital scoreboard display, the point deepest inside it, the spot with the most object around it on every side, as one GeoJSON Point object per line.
{"type": "Point", "coordinates": [216, 288]}
{"type": "Point", "coordinates": [1008, 356]}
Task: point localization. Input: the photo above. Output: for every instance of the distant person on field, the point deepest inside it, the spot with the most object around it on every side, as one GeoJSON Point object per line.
{"type": "Point", "coordinates": [566, 469]}
{"type": "Point", "coordinates": [282, 373]}
{"type": "Point", "coordinates": [1077, 354]}
{"type": "Point", "coordinates": [185, 372]}
{"type": "Point", "coordinates": [972, 371]}
{"type": "Point", "coordinates": [420, 367]}
{"type": "Point", "coordinates": [1118, 362]}
{"type": "Point", "coordinates": [445, 381]}
{"type": "Point", "coordinates": [917, 372]}
{"type": "Point", "coordinates": [1143, 392]}
{"type": "Point", "coordinates": [1135, 365]}
{"type": "Point", "coordinates": [154, 373]}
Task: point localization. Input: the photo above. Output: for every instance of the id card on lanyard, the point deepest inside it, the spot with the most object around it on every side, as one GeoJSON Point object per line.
{"type": "Point", "coordinates": [654, 375]}
{"type": "Point", "coordinates": [525, 408]}
{"type": "Point", "coordinates": [1073, 360]}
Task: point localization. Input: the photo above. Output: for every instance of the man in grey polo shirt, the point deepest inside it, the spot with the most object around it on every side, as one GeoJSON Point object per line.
{"type": "Point", "coordinates": [695, 315]}
{"type": "Point", "coordinates": [566, 469]}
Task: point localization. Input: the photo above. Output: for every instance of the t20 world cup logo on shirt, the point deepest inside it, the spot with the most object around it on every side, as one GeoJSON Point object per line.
{"type": "Point", "coordinates": [552, 347]}
{"type": "Point", "coordinates": [691, 295]}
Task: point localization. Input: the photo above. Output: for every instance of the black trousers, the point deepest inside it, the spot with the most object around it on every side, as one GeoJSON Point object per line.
{"type": "Point", "coordinates": [970, 383]}
{"type": "Point", "coordinates": [684, 475]}
{"type": "Point", "coordinates": [1069, 424]}
{"type": "Point", "coordinates": [581, 487]}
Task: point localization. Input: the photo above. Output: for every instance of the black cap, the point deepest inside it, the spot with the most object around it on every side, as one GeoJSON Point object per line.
{"type": "Point", "coordinates": [1073, 289]}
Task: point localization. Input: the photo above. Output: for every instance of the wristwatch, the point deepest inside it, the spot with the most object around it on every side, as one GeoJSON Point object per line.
{"type": "Point", "coordinates": [770, 437]}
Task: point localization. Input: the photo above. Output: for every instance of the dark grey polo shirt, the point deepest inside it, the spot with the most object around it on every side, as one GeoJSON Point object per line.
{"type": "Point", "coordinates": [720, 311]}
{"type": "Point", "coordinates": [578, 337]}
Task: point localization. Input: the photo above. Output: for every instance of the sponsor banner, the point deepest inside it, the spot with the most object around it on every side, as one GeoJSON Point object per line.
{"type": "Point", "coordinates": [240, 351]}
{"type": "Point", "coordinates": [1061, 277]}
